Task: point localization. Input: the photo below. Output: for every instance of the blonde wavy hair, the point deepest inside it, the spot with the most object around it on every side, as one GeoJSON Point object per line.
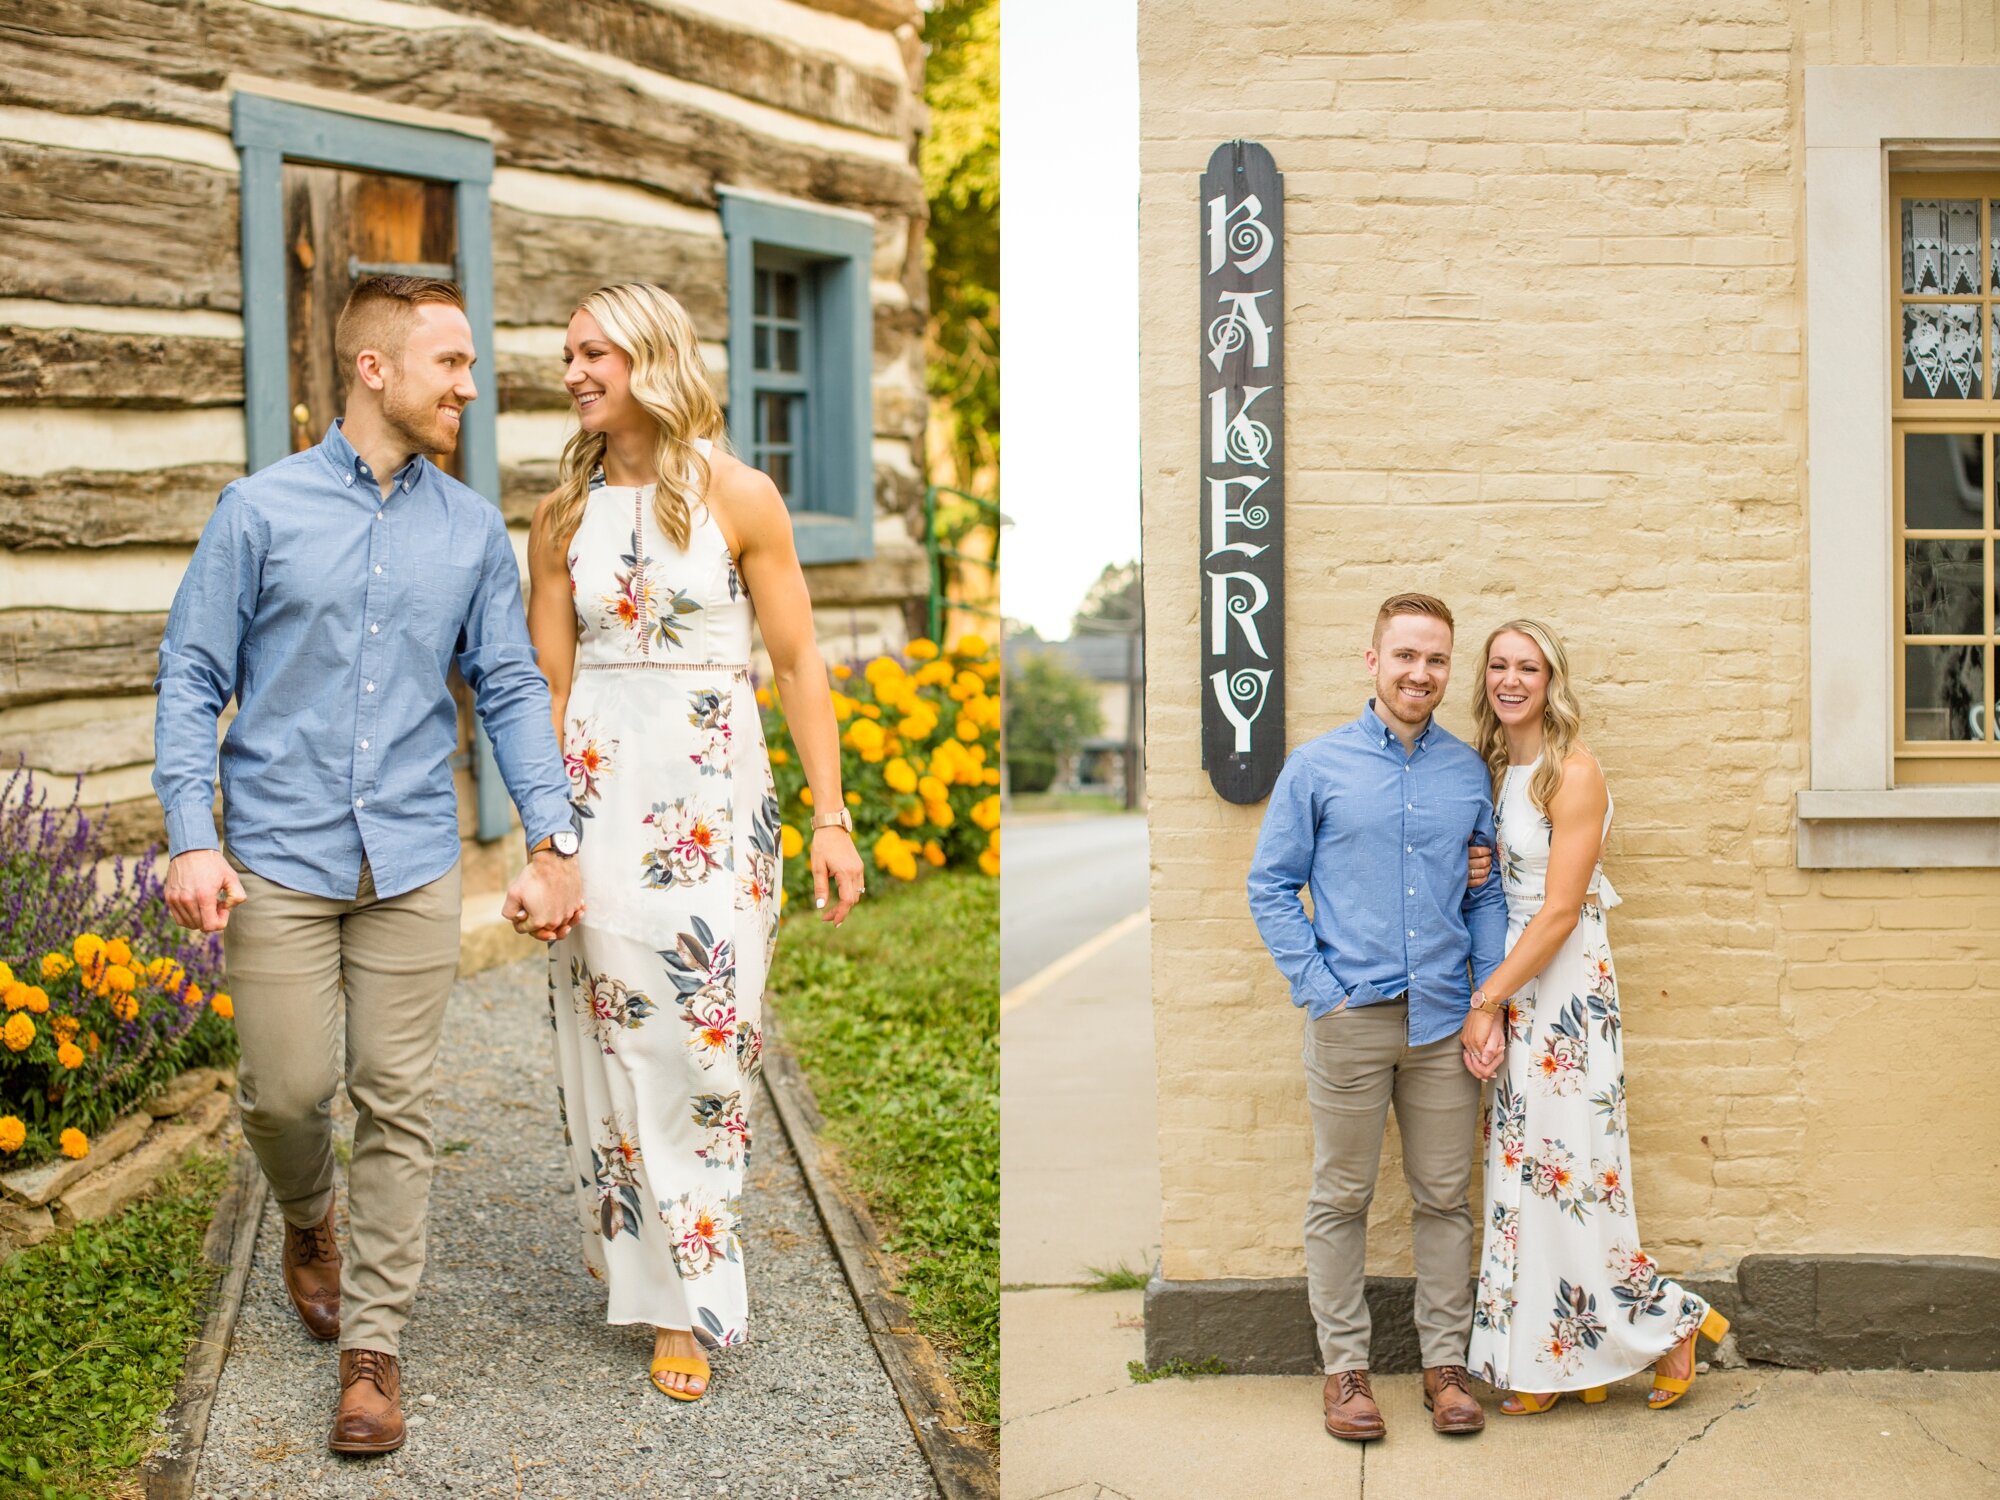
{"type": "Point", "coordinates": [670, 382]}
{"type": "Point", "coordinates": [1562, 716]}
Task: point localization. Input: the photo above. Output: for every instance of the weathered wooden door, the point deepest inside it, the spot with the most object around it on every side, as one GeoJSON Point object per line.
{"type": "Point", "coordinates": [341, 226]}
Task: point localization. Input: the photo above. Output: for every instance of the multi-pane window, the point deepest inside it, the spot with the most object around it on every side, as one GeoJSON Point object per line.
{"type": "Point", "coordinates": [1946, 242]}
{"type": "Point", "coordinates": [781, 361]}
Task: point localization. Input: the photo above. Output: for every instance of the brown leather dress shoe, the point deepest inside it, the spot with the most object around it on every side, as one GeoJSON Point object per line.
{"type": "Point", "coordinates": [312, 1276]}
{"type": "Point", "coordinates": [1351, 1411]}
{"type": "Point", "coordinates": [1448, 1396]}
{"type": "Point", "coordinates": [370, 1418]}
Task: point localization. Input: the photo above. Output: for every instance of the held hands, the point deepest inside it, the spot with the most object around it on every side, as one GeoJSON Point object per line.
{"type": "Point", "coordinates": [1484, 1039]}
{"type": "Point", "coordinates": [546, 898]}
{"type": "Point", "coordinates": [201, 889]}
{"type": "Point", "coordinates": [835, 859]}
{"type": "Point", "coordinates": [1478, 865]}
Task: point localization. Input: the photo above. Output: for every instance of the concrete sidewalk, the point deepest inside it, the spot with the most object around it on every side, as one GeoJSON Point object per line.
{"type": "Point", "coordinates": [1080, 1188]}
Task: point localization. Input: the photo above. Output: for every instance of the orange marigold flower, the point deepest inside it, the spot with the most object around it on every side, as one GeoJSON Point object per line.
{"type": "Point", "coordinates": [900, 775]}
{"type": "Point", "coordinates": [222, 1005]}
{"type": "Point", "coordinates": [790, 841]}
{"type": "Point", "coordinates": [125, 1007]}
{"type": "Point", "coordinates": [971, 645]}
{"type": "Point", "coordinates": [986, 812]}
{"type": "Point", "coordinates": [38, 1000]}
{"type": "Point", "coordinates": [934, 852]}
{"type": "Point", "coordinates": [921, 649]}
{"type": "Point", "coordinates": [842, 672]}
{"type": "Point", "coordinates": [75, 1144]}
{"type": "Point", "coordinates": [854, 799]}
{"type": "Point", "coordinates": [87, 949]}
{"type": "Point", "coordinates": [192, 997]}
{"type": "Point", "coordinates": [17, 1033]}
{"type": "Point", "coordinates": [6, 976]}
{"type": "Point", "coordinates": [14, 994]}
{"type": "Point", "coordinates": [13, 1133]}
{"type": "Point", "coordinates": [940, 813]}
{"type": "Point", "coordinates": [780, 757]}
{"type": "Point", "coordinates": [70, 1055]}
{"type": "Point", "coordinates": [967, 729]}
{"type": "Point", "coordinates": [118, 951]}
{"type": "Point", "coordinates": [120, 980]}
{"type": "Point", "coordinates": [65, 1028]}
{"type": "Point", "coordinates": [55, 965]}
{"type": "Point", "coordinates": [805, 796]}
{"type": "Point", "coordinates": [93, 1041]}
{"type": "Point", "coordinates": [911, 816]}
{"type": "Point", "coordinates": [989, 861]}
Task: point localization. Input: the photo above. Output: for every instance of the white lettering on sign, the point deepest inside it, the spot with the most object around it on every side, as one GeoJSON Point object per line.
{"type": "Point", "coordinates": [1233, 691]}
{"type": "Point", "coordinates": [1226, 604]}
{"type": "Point", "coordinates": [1238, 231]}
{"type": "Point", "coordinates": [1243, 321]}
{"type": "Point", "coordinates": [1222, 515]}
{"type": "Point", "coordinates": [1237, 438]}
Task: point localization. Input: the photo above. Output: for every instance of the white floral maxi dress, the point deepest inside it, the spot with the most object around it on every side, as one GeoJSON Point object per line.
{"type": "Point", "coordinates": [1567, 1299]}
{"type": "Point", "coordinates": [656, 996]}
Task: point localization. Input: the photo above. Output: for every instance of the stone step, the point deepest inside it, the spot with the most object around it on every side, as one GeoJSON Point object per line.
{"type": "Point", "coordinates": [37, 1185]}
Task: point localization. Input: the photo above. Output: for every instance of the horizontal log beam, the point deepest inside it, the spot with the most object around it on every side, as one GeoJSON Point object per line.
{"type": "Point", "coordinates": [83, 367]}
{"type": "Point", "coordinates": [110, 508]}
{"type": "Point", "coordinates": [883, 15]}
{"type": "Point", "coordinates": [103, 56]}
{"type": "Point", "coordinates": [62, 653]}
{"type": "Point", "coordinates": [702, 49]}
{"type": "Point", "coordinates": [544, 265]}
{"type": "Point", "coordinates": [123, 230]}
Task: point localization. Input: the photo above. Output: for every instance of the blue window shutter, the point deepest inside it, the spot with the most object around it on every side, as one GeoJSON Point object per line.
{"type": "Point", "coordinates": [838, 248]}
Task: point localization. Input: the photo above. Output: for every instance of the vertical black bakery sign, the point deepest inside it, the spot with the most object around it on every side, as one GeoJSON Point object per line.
{"type": "Point", "coordinates": [1242, 471]}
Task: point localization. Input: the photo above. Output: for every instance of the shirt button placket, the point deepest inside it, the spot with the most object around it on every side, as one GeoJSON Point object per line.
{"type": "Point", "coordinates": [370, 664]}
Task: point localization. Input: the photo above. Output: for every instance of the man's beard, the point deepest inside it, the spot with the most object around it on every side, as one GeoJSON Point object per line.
{"type": "Point", "coordinates": [416, 422]}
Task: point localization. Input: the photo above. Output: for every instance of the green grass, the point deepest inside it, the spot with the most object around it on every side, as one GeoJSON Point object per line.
{"type": "Point", "coordinates": [94, 1327]}
{"type": "Point", "coordinates": [1180, 1369]}
{"type": "Point", "coordinates": [895, 1020]}
{"type": "Point", "coordinates": [1064, 802]}
{"type": "Point", "coordinates": [1118, 1278]}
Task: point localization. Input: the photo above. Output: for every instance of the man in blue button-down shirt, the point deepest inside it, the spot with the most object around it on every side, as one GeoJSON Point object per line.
{"type": "Point", "coordinates": [330, 595]}
{"type": "Point", "coordinates": [1374, 819]}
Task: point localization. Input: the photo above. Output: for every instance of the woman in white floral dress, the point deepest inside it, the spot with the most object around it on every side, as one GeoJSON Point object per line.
{"type": "Point", "coordinates": [643, 563]}
{"type": "Point", "coordinates": [1567, 1299]}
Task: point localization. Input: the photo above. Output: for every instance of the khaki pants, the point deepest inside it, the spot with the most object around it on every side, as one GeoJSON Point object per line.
{"type": "Point", "coordinates": [1357, 1063]}
{"type": "Point", "coordinates": [290, 956]}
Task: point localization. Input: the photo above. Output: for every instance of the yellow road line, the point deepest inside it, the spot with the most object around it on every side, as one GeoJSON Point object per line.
{"type": "Point", "coordinates": [1078, 956]}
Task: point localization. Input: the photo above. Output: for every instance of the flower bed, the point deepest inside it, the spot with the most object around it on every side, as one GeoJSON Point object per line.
{"type": "Point", "coordinates": [106, 999]}
{"type": "Point", "coordinates": [919, 762]}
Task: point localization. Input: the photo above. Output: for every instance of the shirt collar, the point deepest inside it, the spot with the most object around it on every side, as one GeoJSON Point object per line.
{"type": "Point", "coordinates": [1381, 734]}
{"type": "Point", "coordinates": [348, 465]}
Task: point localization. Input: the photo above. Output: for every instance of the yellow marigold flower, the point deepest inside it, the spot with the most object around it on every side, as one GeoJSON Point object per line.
{"type": "Point", "coordinates": [17, 1033]}
{"type": "Point", "coordinates": [38, 1000]}
{"type": "Point", "coordinates": [854, 799]}
{"type": "Point", "coordinates": [940, 813]}
{"type": "Point", "coordinates": [921, 649]}
{"type": "Point", "coordinates": [986, 812]}
{"type": "Point", "coordinates": [14, 995]}
{"type": "Point", "coordinates": [900, 775]}
{"type": "Point", "coordinates": [55, 965]}
{"type": "Point", "coordinates": [790, 841]}
{"type": "Point", "coordinates": [888, 846]}
{"type": "Point", "coordinates": [971, 645]}
{"type": "Point", "coordinates": [120, 980]}
{"type": "Point", "coordinates": [75, 1144]}
{"type": "Point", "coordinates": [933, 673]}
{"type": "Point", "coordinates": [967, 729]}
{"type": "Point", "coordinates": [69, 1055]}
{"type": "Point", "coordinates": [93, 1041]}
{"type": "Point", "coordinates": [868, 710]}
{"type": "Point", "coordinates": [6, 976]}
{"type": "Point", "coordinates": [87, 948]}
{"type": "Point", "coordinates": [934, 852]}
{"type": "Point", "coordinates": [781, 757]}
{"type": "Point", "coordinates": [992, 776]}
{"type": "Point", "coordinates": [989, 861]}
{"type": "Point", "coordinates": [118, 951]}
{"type": "Point", "coordinates": [65, 1028]}
{"type": "Point", "coordinates": [841, 672]}
{"type": "Point", "coordinates": [192, 997]}
{"type": "Point", "coordinates": [13, 1133]}
{"type": "Point", "coordinates": [905, 868]}
{"type": "Point", "coordinates": [976, 754]}
{"type": "Point", "coordinates": [910, 817]}
{"type": "Point", "coordinates": [805, 796]}
{"type": "Point", "coordinates": [763, 697]}
{"type": "Point", "coordinates": [843, 707]}
{"type": "Point", "coordinates": [967, 685]}
{"type": "Point", "coordinates": [918, 726]}
{"type": "Point", "coordinates": [933, 789]}
{"type": "Point", "coordinates": [882, 669]}
{"type": "Point", "coordinates": [125, 1007]}
{"type": "Point", "coordinates": [222, 1005]}
{"type": "Point", "coordinates": [988, 669]}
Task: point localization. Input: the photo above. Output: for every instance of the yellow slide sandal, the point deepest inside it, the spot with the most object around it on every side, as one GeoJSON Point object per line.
{"type": "Point", "coordinates": [680, 1364]}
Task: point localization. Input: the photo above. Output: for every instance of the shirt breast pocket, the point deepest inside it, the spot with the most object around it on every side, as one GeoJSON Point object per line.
{"type": "Point", "coordinates": [440, 600]}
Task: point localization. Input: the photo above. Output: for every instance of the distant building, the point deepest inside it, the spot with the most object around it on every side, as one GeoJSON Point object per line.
{"type": "Point", "coordinates": [1115, 664]}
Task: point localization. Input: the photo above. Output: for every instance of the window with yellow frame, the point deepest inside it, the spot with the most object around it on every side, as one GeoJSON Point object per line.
{"type": "Point", "coordinates": [1945, 282]}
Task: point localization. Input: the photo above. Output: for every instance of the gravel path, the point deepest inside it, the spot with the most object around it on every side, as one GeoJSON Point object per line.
{"type": "Point", "coordinates": [512, 1382]}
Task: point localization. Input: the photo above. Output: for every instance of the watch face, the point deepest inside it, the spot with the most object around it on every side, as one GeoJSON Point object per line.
{"type": "Point", "coordinates": [566, 843]}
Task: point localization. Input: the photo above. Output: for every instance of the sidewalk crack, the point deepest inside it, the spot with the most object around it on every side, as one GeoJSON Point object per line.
{"type": "Point", "coordinates": [1691, 1439]}
{"type": "Point", "coordinates": [1947, 1446]}
{"type": "Point", "coordinates": [1022, 1416]}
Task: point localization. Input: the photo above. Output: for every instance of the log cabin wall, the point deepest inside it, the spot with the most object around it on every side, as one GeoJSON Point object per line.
{"type": "Point", "coordinates": [615, 126]}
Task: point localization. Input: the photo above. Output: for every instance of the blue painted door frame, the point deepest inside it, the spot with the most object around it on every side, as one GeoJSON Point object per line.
{"type": "Point", "coordinates": [269, 132]}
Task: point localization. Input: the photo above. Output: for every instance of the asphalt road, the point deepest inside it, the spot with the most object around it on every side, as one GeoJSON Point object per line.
{"type": "Point", "coordinates": [1063, 881]}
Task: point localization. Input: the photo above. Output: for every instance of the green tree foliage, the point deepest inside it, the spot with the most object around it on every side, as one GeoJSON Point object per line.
{"type": "Point", "coordinates": [1051, 711]}
{"type": "Point", "coordinates": [1113, 603]}
{"type": "Point", "coordinates": [961, 167]}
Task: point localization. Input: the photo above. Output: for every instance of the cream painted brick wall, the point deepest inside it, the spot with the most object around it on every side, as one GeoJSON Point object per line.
{"type": "Point", "coordinates": [1544, 313]}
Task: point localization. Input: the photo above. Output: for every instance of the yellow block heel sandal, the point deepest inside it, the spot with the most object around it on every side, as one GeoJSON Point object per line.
{"type": "Point", "coordinates": [680, 1364]}
{"type": "Point", "coordinates": [1521, 1404]}
{"type": "Point", "coordinates": [1666, 1389]}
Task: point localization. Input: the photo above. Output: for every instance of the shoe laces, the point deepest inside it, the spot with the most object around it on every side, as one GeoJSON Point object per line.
{"type": "Point", "coordinates": [1453, 1376]}
{"type": "Point", "coordinates": [371, 1365]}
{"type": "Point", "coordinates": [1354, 1383]}
{"type": "Point", "coordinates": [313, 1243]}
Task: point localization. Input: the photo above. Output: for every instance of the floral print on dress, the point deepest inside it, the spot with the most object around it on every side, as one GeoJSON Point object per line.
{"type": "Point", "coordinates": [607, 1005]}
{"type": "Point", "coordinates": [702, 1232]}
{"type": "Point", "coordinates": [1567, 1299]}
{"type": "Point", "coordinates": [615, 1159]}
{"type": "Point", "coordinates": [587, 759]}
{"type": "Point", "coordinates": [728, 1127]}
{"type": "Point", "coordinates": [691, 843]}
{"type": "Point", "coordinates": [706, 713]}
{"type": "Point", "coordinates": [638, 606]}
{"type": "Point", "coordinates": [757, 881]}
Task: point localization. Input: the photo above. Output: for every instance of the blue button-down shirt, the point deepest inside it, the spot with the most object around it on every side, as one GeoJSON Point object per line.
{"type": "Point", "coordinates": [332, 616]}
{"type": "Point", "coordinates": [1379, 837]}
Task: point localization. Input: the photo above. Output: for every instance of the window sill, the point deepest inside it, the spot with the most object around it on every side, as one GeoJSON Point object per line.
{"type": "Point", "coordinates": [1909, 828]}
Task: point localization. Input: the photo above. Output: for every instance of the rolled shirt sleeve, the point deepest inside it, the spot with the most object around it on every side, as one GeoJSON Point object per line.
{"type": "Point", "coordinates": [1281, 867]}
{"type": "Point", "coordinates": [497, 661]}
{"type": "Point", "coordinates": [200, 664]}
{"type": "Point", "coordinates": [1485, 910]}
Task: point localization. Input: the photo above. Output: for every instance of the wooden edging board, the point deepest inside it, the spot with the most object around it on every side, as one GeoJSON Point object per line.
{"type": "Point", "coordinates": [232, 1236]}
{"type": "Point", "coordinates": [964, 1470]}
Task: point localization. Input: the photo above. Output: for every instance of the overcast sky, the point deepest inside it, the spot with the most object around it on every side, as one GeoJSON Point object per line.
{"type": "Point", "coordinates": [1069, 366]}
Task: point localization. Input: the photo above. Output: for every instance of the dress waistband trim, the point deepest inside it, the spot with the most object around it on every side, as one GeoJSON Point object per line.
{"type": "Point", "coordinates": [734, 668]}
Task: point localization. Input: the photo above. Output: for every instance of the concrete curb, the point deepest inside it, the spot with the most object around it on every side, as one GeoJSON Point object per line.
{"type": "Point", "coordinates": [232, 1235]}
{"type": "Point", "coordinates": [963, 1469]}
